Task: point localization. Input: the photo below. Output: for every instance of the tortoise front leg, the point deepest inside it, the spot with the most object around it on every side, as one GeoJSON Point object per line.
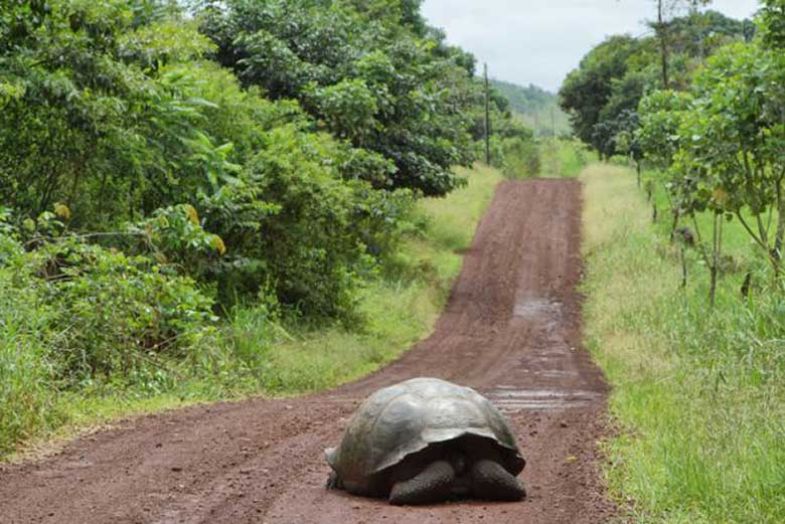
{"type": "Point", "coordinates": [334, 481]}
{"type": "Point", "coordinates": [433, 484]}
{"type": "Point", "coordinates": [490, 481]}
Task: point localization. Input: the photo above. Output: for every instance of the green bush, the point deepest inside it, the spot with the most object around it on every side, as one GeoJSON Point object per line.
{"type": "Point", "coordinates": [174, 236]}
{"type": "Point", "coordinates": [308, 240]}
{"type": "Point", "coordinates": [106, 313]}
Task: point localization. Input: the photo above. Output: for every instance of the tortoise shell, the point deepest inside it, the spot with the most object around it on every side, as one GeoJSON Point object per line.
{"type": "Point", "coordinates": [405, 418]}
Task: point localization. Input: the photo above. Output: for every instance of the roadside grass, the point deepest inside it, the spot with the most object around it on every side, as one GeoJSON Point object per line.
{"type": "Point", "coordinates": [25, 382]}
{"type": "Point", "coordinates": [253, 353]}
{"type": "Point", "coordinates": [699, 393]}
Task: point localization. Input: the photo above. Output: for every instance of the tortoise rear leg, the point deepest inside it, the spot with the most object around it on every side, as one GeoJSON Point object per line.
{"type": "Point", "coordinates": [490, 481]}
{"type": "Point", "coordinates": [433, 484]}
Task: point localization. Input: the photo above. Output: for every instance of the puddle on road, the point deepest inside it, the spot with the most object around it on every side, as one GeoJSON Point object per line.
{"type": "Point", "coordinates": [509, 399]}
{"type": "Point", "coordinates": [543, 362]}
{"type": "Point", "coordinates": [555, 373]}
{"type": "Point", "coordinates": [536, 307]}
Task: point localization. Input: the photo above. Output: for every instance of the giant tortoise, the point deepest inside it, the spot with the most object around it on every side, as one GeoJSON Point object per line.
{"type": "Point", "coordinates": [427, 440]}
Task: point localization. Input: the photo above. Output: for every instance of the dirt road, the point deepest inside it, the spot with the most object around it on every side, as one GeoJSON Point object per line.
{"type": "Point", "coordinates": [512, 330]}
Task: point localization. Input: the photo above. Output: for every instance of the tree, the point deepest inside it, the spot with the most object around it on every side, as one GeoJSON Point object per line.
{"type": "Point", "coordinates": [611, 80]}
{"type": "Point", "coordinates": [733, 137]}
{"type": "Point", "coordinates": [662, 28]}
{"type": "Point", "coordinates": [370, 73]}
{"type": "Point", "coordinates": [587, 90]}
{"type": "Point", "coordinates": [772, 19]}
{"type": "Point", "coordinates": [661, 114]}
{"type": "Point", "coordinates": [619, 115]}
{"type": "Point", "coordinates": [90, 91]}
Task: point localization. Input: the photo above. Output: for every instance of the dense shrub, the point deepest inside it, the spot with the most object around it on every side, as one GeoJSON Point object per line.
{"type": "Point", "coordinates": [132, 126]}
{"type": "Point", "coordinates": [101, 312]}
{"type": "Point", "coordinates": [316, 234]}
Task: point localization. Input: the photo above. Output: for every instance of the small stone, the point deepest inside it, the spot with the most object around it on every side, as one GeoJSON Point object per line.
{"type": "Point", "coordinates": [177, 469]}
{"type": "Point", "coordinates": [563, 424]}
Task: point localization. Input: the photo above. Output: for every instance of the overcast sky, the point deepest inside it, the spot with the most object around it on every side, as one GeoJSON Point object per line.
{"type": "Point", "coordinates": [540, 41]}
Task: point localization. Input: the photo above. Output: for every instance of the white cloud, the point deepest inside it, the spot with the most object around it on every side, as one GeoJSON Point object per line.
{"type": "Point", "coordinates": [541, 41]}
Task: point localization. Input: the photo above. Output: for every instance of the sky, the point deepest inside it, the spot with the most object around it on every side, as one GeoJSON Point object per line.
{"type": "Point", "coordinates": [540, 41]}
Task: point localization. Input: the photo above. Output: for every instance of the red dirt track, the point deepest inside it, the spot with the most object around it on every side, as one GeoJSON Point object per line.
{"type": "Point", "coordinates": [512, 330]}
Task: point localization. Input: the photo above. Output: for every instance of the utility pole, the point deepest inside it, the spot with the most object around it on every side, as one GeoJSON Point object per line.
{"type": "Point", "coordinates": [487, 118]}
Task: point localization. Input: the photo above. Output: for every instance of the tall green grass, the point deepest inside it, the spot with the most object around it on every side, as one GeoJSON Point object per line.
{"type": "Point", "coordinates": [26, 389]}
{"type": "Point", "coordinates": [699, 393]}
{"type": "Point", "coordinates": [253, 352]}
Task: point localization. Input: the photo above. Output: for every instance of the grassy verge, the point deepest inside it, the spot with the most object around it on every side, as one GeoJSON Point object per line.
{"type": "Point", "coordinates": [255, 354]}
{"type": "Point", "coordinates": [699, 394]}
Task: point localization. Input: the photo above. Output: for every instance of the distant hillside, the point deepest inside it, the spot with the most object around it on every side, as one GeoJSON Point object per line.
{"type": "Point", "coordinates": [538, 108]}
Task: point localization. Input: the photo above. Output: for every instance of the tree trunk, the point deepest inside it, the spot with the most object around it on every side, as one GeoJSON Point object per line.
{"type": "Point", "coordinates": [715, 257]}
{"type": "Point", "coordinates": [662, 33]}
{"type": "Point", "coordinates": [675, 224]}
{"type": "Point", "coordinates": [776, 254]}
{"type": "Point", "coordinates": [683, 267]}
{"type": "Point", "coordinates": [638, 171]}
